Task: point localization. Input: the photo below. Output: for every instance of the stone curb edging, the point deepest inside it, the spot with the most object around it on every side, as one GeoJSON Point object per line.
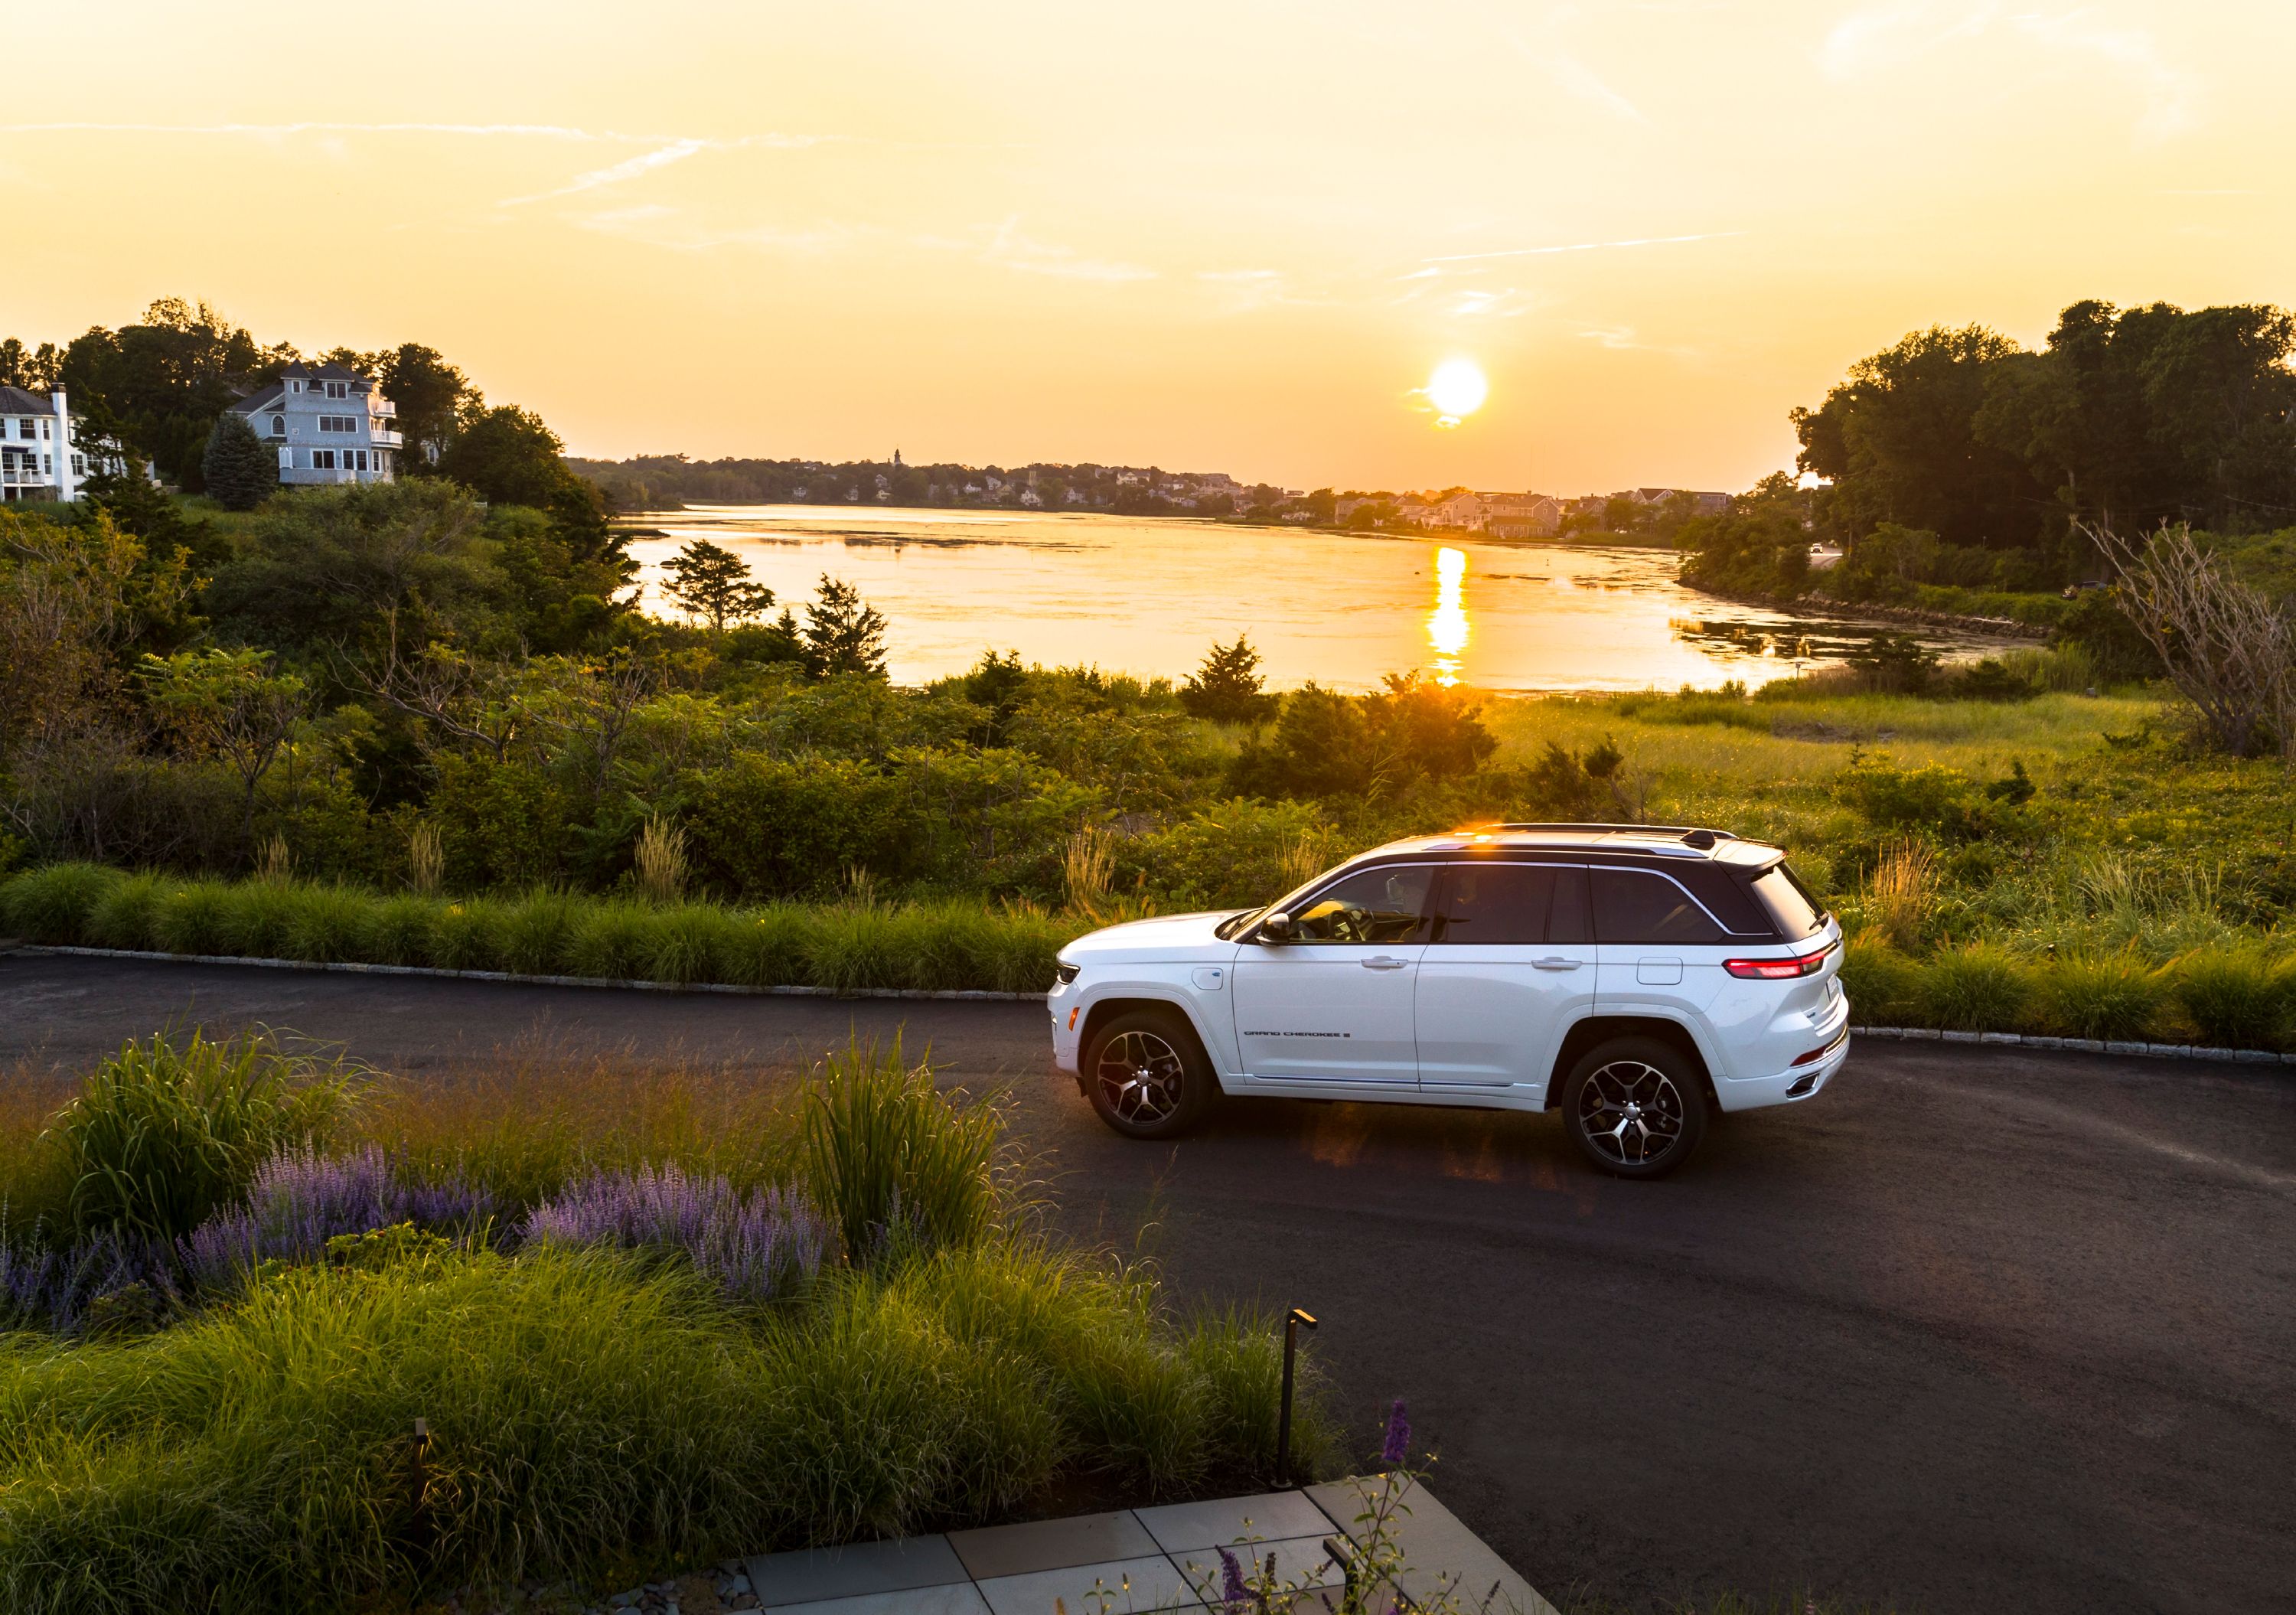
{"type": "Point", "coordinates": [1910, 1034]}
{"type": "Point", "coordinates": [977, 994]}
{"type": "Point", "coordinates": [2078, 1045]}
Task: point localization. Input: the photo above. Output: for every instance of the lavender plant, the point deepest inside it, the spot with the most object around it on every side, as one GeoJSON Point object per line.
{"type": "Point", "coordinates": [66, 1290]}
{"type": "Point", "coordinates": [754, 1248]}
{"type": "Point", "coordinates": [302, 1198]}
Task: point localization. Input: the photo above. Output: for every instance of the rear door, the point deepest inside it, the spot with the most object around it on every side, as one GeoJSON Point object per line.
{"type": "Point", "coordinates": [1659, 948]}
{"type": "Point", "coordinates": [1334, 1004]}
{"type": "Point", "coordinates": [1511, 961]}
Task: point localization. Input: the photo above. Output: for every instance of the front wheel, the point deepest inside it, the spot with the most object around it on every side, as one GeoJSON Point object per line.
{"type": "Point", "coordinates": [1634, 1107]}
{"type": "Point", "coordinates": [1146, 1074]}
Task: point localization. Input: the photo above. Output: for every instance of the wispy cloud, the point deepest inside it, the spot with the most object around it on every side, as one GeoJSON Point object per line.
{"type": "Point", "coordinates": [1008, 248]}
{"type": "Point", "coordinates": [1632, 241]}
{"type": "Point", "coordinates": [1877, 38]}
{"type": "Point", "coordinates": [645, 163]}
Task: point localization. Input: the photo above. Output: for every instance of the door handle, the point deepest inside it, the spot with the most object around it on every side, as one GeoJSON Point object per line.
{"type": "Point", "coordinates": [1556, 963]}
{"type": "Point", "coordinates": [1385, 962]}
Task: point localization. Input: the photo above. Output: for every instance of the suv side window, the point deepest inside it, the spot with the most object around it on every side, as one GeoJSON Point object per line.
{"type": "Point", "coordinates": [1638, 905]}
{"type": "Point", "coordinates": [1495, 902]}
{"type": "Point", "coordinates": [1371, 906]}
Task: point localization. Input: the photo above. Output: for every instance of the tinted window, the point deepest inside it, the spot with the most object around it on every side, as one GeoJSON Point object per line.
{"type": "Point", "coordinates": [1496, 903]}
{"type": "Point", "coordinates": [1799, 914]}
{"type": "Point", "coordinates": [1370, 905]}
{"type": "Point", "coordinates": [1633, 907]}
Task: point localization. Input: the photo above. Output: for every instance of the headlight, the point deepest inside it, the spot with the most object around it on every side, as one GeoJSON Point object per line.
{"type": "Point", "coordinates": [1066, 971]}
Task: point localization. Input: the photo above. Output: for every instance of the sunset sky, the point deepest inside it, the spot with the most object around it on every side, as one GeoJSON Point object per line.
{"type": "Point", "coordinates": [1229, 236]}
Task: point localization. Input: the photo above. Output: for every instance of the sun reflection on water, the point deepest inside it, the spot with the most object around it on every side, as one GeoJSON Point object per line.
{"type": "Point", "coordinates": [1448, 628]}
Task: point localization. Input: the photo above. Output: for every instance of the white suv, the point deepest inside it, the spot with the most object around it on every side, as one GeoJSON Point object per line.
{"type": "Point", "coordinates": [1635, 977]}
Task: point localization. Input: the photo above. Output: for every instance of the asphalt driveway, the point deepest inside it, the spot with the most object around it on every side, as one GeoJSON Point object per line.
{"type": "Point", "coordinates": [1978, 1330]}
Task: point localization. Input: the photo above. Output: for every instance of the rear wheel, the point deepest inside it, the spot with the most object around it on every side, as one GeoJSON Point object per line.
{"type": "Point", "coordinates": [1634, 1107]}
{"type": "Point", "coordinates": [1146, 1074]}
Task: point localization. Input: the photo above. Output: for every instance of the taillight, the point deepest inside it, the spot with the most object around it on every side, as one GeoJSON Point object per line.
{"type": "Point", "coordinates": [1778, 969]}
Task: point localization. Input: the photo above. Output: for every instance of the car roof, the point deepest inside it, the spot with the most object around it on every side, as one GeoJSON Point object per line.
{"type": "Point", "coordinates": [1647, 840]}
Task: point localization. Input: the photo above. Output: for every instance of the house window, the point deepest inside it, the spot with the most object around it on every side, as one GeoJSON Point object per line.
{"type": "Point", "coordinates": [338, 390]}
{"type": "Point", "coordinates": [295, 386]}
{"type": "Point", "coordinates": [44, 425]}
{"type": "Point", "coordinates": [47, 466]}
{"type": "Point", "coordinates": [323, 459]}
{"type": "Point", "coordinates": [361, 455]}
{"type": "Point", "coordinates": [279, 426]}
{"type": "Point", "coordinates": [24, 429]}
{"type": "Point", "coordinates": [80, 465]}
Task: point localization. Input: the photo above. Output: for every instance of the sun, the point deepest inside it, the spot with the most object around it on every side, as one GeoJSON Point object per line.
{"type": "Point", "coordinates": [1457, 389]}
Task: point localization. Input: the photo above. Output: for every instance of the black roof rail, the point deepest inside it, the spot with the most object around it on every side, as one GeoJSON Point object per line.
{"type": "Point", "coordinates": [1682, 831]}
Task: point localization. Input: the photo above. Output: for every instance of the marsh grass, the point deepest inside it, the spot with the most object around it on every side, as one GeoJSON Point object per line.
{"type": "Point", "coordinates": [1977, 987]}
{"type": "Point", "coordinates": [126, 915]}
{"type": "Point", "coordinates": [2237, 998]}
{"type": "Point", "coordinates": [536, 933]}
{"type": "Point", "coordinates": [2115, 995]}
{"type": "Point", "coordinates": [1901, 895]}
{"type": "Point", "coordinates": [55, 904]}
{"type": "Point", "coordinates": [196, 918]}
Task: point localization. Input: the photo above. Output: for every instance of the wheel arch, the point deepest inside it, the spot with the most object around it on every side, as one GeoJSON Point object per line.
{"type": "Point", "coordinates": [1102, 1011]}
{"type": "Point", "coordinates": [1594, 1030]}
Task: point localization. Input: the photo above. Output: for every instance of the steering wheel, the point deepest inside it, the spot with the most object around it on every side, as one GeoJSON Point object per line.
{"type": "Point", "coordinates": [1351, 923]}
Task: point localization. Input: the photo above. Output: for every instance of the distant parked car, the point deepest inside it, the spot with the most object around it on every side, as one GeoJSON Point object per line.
{"type": "Point", "coordinates": [1637, 977]}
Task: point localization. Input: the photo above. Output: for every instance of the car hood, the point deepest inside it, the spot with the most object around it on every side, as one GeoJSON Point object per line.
{"type": "Point", "coordinates": [1165, 936]}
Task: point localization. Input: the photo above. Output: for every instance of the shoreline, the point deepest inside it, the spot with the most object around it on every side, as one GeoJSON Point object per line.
{"type": "Point", "coordinates": [1825, 605]}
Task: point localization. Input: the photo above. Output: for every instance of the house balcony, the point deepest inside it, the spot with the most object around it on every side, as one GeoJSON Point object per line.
{"type": "Point", "coordinates": [384, 438]}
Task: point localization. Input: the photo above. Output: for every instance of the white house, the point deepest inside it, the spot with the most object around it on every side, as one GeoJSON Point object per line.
{"type": "Point", "coordinates": [40, 456]}
{"type": "Point", "coordinates": [1521, 515]}
{"type": "Point", "coordinates": [328, 423]}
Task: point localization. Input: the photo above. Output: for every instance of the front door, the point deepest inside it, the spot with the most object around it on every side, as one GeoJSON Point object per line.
{"type": "Point", "coordinates": [1333, 1004]}
{"type": "Point", "coordinates": [1510, 964]}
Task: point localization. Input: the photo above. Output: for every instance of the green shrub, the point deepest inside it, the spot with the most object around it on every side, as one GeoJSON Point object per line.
{"type": "Point", "coordinates": [537, 933]}
{"type": "Point", "coordinates": [196, 918]}
{"type": "Point", "coordinates": [688, 943]}
{"type": "Point", "coordinates": [399, 930]}
{"type": "Point", "coordinates": [467, 935]}
{"type": "Point", "coordinates": [612, 941]}
{"type": "Point", "coordinates": [2236, 998]}
{"type": "Point", "coordinates": [767, 947]}
{"type": "Point", "coordinates": [1978, 988]}
{"type": "Point", "coordinates": [851, 948]}
{"type": "Point", "coordinates": [158, 1136]}
{"type": "Point", "coordinates": [260, 922]}
{"type": "Point", "coordinates": [127, 915]}
{"type": "Point", "coordinates": [1885, 987]}
{"type": "Point", "coordinates": [892, 1163]}
{"type": "Point", "coordinates": [327, 924]}
{"type": "Point", "coordinates": [55, 904]}
{"type": "Point", "coordinates": [2116, 997]}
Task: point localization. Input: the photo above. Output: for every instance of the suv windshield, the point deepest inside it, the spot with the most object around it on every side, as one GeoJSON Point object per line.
{"type": "Point", "coordinates": [1799, 915]}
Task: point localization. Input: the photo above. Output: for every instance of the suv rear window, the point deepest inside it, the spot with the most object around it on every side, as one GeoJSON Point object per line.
{"type": "Point", "coordinates": [1633, 905]}
{"type": "Point", "coordinates": [1799, 916]}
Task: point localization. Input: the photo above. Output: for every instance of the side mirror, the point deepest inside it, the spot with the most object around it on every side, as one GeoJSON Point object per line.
{"type": "Point", "coordinates": [1276, 928]}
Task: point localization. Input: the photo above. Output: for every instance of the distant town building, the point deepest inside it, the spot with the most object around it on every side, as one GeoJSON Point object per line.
{"type": "Point", "coordinates": [328, 422]}
{"type": "Point", "coordinates": [1521, 515]}
{"type": "Point", "coordinates": [40, 456]}
{"type": "Point", "coordinates": [1702, 504]}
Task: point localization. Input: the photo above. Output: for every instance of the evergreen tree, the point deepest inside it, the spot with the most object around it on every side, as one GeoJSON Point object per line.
{"type": "Point", "coordinates": [241, 469]}
{"type": "Point", "coordinates": [712, 582]}
{"type": "Point", "coordinates": [1228, 686]}
{"type": "Point", "coordinates": [843, 633]}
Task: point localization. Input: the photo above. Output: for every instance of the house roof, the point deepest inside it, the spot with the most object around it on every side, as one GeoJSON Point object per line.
{"type": "Point", "coordinates": [16, 401]}
{"type": "Point", "coordinates": [261, 398]}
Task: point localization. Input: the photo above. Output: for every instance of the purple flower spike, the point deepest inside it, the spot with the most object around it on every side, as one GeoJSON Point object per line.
{"type": "Point", "coordinates": [1398, 1436]}
{"type": "Point", "coordinates": [1233, 1592]}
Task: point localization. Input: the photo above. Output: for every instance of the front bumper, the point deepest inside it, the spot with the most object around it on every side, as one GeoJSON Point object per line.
{"type": "Point", "coordinates": [1067, 1006]}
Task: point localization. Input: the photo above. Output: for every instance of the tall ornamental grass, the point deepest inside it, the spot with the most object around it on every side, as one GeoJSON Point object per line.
{"type": "Point", "coordinates": [159, 1136]}
{"type": "Point", "coordinates": [940, 945]}
{"type": "Point", "coordinates": [894, 1164]}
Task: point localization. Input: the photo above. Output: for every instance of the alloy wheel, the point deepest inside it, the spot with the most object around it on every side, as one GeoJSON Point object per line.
{"type": "Point", "coordinates": [1631, 1112]}
{"type": "Point", "coordinates": [1140, 1077]}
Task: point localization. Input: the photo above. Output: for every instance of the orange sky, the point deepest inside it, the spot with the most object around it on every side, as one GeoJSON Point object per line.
{"type": "Point", "coordinates": [1210, 236]}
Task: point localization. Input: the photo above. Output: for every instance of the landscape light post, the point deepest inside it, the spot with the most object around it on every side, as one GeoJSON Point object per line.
{"type": "Point", "coordinates": [1292, 1322]}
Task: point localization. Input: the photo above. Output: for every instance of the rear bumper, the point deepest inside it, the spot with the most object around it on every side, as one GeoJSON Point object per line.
{"type": "Point", "coordinates": [1787, 1086]}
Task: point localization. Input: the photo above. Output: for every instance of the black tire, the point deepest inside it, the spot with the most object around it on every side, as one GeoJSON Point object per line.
{"type": "Point", "coordinates": [1146, 1074]}
{"type": "Point", "coordinates": [1634, 1107]}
